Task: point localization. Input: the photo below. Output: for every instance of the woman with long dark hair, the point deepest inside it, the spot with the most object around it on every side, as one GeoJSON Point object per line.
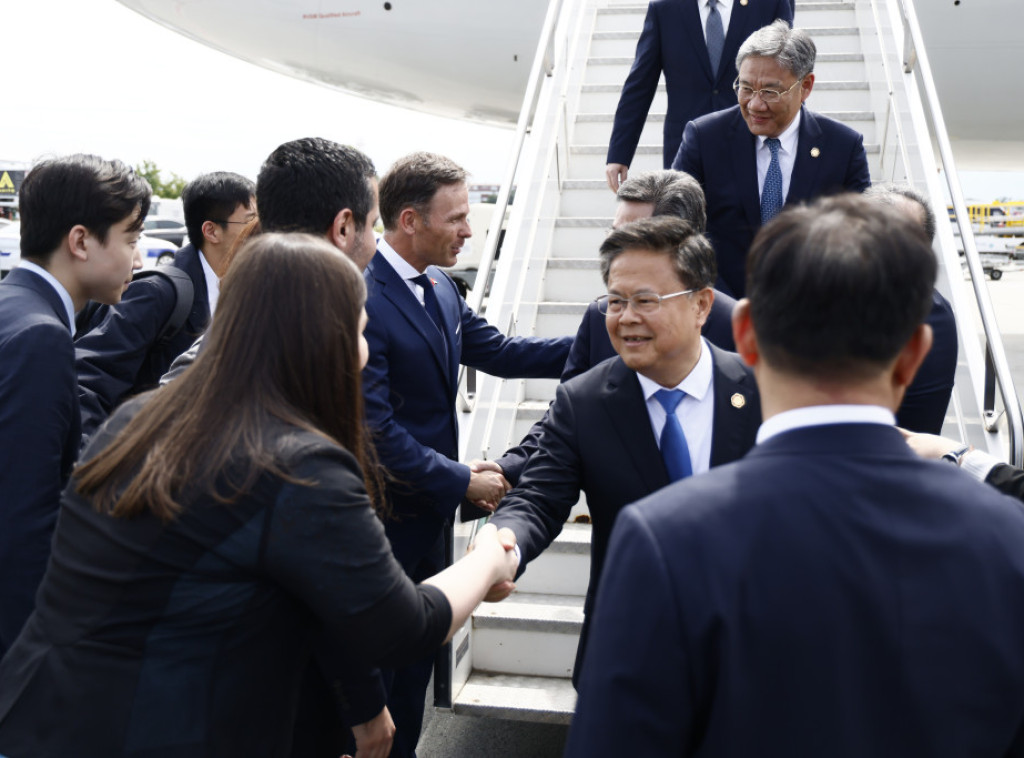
{"type": "Point", "coordinates": [220, 532]}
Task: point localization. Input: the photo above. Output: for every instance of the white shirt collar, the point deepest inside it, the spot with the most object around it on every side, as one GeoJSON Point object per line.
{"type": "Point", "coordinates": [820, 415]}
{"type": "Point", "coordinates": [788, 138]}
{"type": "Point", "coordinates": [695, 384]}
{"type": "Point", "coordinates": [69, 305]}
{"type": "Point", "coordinates": [405, 269]}
{"type": "Point", "coordinates": [212, 283]}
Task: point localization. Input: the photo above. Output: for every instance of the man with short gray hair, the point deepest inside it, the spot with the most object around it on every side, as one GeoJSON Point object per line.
{"type": "Point", "coordinates": [767, 151]}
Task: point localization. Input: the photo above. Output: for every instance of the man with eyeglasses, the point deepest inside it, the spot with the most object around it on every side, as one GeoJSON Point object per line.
{"type": "Point", "coordinates": [694, 42]}
{"type": "Point", "coordinates": [121, 352]}
{"type": "Point", "coordinates": [670, 406]}
{"type": "Point", "coordinates": [768, 150]}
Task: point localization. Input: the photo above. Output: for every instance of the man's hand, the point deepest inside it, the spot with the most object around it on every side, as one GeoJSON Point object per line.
{"type": "Point", "coordinates": [373, 738]}
{"type": "Point", "coordinates": [930, 446]}
{"type": "Point", "coordinates": [507, 539]}
{"type": "Point", "coordinates": [616, 174]}
{"type": "Point", "coordinates": [487, 484]}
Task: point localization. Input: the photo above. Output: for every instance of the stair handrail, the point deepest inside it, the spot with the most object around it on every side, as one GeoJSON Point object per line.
{"type": "Point", "coordinates": [915, 56]}
{"type": "Point", "coordinates": [542, 63]}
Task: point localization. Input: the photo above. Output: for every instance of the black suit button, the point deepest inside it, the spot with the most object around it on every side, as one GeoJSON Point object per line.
{"type": "Point", "coordinates": [714, 92]}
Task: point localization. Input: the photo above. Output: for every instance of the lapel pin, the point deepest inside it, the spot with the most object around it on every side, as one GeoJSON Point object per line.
{"type": "Point", "coordinates": [743, 2]}
{"type": "Point", "coordinates": [738, 401]}
{"type": "Point", "coordinates": [815, 152]}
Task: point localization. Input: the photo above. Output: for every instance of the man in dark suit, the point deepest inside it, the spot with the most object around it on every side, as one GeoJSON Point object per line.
{"type": "Point", "coordinates": [80, 220]}
{"type": "Point", "coordinates": [679, 38]}
{"type": "Point", "coordinates": [924, 405]}
{"type": "Point", "coordinates": [122, 353]}
{"type": "Point", "coordinates": [830, 593]}
{"type": "Point", "coordinates": [768, 150]}
{"type": "Point", "coordinates": [605, 433]}
{"type": "Point", "coordinates": [643, 195]}
{"type": "Point", "coordinates": [419, 331]}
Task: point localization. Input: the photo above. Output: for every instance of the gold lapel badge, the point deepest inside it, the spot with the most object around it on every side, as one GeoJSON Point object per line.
{"type": "Point", "coordinates": [815, 152]}
{"type": "Point", "coordinates": [738, 401]}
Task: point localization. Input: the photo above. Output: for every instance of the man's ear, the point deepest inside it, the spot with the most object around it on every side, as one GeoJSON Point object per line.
{"type": "Point", "coordinates": [704, 299]}
{"type": "Point", "coordinates": [212, 231]}
{"type": "Point", "coordinates": [342, 230]}
{"type": "Point", "coordinates": [912, 356]}
{"type": "Point", "coordinates": [77, 239]}
{"type": "Point", "coordinates": [743, 333]}
{"type": "Point", "coordinates": [407, 220]}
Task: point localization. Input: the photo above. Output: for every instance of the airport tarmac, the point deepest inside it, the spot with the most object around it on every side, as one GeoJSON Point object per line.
{"type": "Point", "coordinates": [446, 735]}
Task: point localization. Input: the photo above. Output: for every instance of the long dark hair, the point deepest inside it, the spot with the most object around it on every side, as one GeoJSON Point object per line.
{"type": "Point", "coordinates": [284, 345]}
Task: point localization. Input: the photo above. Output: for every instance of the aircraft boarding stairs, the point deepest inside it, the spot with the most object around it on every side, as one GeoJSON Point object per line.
{"type": "Point", "coordinates": [515, 658]}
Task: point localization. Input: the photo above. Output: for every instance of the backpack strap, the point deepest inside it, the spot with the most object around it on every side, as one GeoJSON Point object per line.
{"type": "Point", "coordinates": [184, 296]}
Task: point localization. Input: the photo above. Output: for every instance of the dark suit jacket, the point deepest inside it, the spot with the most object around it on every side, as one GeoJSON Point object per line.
{"type": "Point", "coordinates": [39, 436]}
{"type": "Point", "coordinates": [830, 594]}
{"type": "Point", "coordinates": [217, 612]}
{"type": "Point", "coordinates": [672, 41]}
{"type": "Point", "coordinates": [410, 389]}
{"type": "Point", "coordinates": [924, 406]}
{"type": "Point", "coordinates": [598, 440]}
{"type": "Point", "coordinates": [120, 356]}
{"type": "Point", "coordinates": [718, 150]}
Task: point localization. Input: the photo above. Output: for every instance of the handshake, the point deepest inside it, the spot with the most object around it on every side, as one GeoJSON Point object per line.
{"type": "Point", "coordinates": [500, 544]}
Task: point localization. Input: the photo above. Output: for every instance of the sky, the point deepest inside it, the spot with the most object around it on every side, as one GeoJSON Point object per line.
{"type": "Point", "coordinates": [94, 76]}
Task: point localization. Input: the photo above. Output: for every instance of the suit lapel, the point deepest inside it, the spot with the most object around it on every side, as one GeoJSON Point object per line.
{"type": "Point", "coordinates": [691, 22]}
{"type": "Point", "coordinates": [734, 402]}
{"type": "Point", "coordinates": [397, 292]}
{"type": "Point", "coordinates": [734, 35]}
{"type": "Point", "coordinates": [623, 400]}
{"type": "Point", "coordinates": [744, 165]}
{"type": "Point", "coordinates": [449, 301]}
{"type": "Point", "coordinates": [31, 281]}
{"type": "Point", "coordinates": [809, 155]}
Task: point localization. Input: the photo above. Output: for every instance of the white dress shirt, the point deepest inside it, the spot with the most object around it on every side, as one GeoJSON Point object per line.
{"type": "Point", "coordinates": [404, 269]}
{"type": "Point", "coordinates": [724, 10]}
{"type": "Point", "coordinates": [696, 411]}
{"type": "Point", "coordinates": [821, 415]}
{"type": "Point", "coordinates": [212, 283]}
{"type": "Point", "coordinates": [69, 305]}
{"type": "Point", "coordinates": [787, 155]}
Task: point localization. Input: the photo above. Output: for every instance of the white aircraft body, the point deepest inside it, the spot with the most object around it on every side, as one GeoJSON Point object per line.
{"type": "Point", "coordinates": [469, 59]}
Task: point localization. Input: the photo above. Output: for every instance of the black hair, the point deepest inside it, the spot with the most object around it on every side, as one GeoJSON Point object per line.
{"type": "Point", "coordinates": [305, 183]}
{"type": "Point", "coordinates": [60, 193]}
{"type": "Point", "coordinates": [838, 287]}
{"type": "Point", "coordinates": [213, 197]}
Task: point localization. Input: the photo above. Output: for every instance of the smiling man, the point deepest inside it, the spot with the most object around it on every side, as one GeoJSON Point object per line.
{"type": "Point", "coordinates": [419, 331]}
{"type": "Point", "coordinates": [81, 217]}
{"type": "Point", "coordinates": [768, 150]}
{"type": "Point", "coordinates": [669, 406]}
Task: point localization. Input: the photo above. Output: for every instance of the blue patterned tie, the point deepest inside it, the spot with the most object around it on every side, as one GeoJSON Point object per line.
{"type": "Point", "coordinates": [715, 36]}
{"type": "Point", "coordinates": [771, 195]}
{"type": "Point", "coordinates": [674, 449]}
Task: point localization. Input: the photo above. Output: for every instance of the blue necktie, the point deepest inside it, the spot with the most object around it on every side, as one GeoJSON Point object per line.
{"type": "Point", "coordinates": [715, 36]}
{"type": "Point", "coordinates": [771, 195]}
{"type": "Point", "coordinates": [674, 449]}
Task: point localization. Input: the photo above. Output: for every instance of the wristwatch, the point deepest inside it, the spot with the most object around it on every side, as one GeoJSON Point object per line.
{"type": "Point", "coordinates": [954, 456]}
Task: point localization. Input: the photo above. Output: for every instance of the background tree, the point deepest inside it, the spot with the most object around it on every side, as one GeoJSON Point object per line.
{"type": "Point", "coordinates": [170, 188]}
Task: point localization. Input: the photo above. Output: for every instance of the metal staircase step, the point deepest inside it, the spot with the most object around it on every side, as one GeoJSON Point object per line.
{"type": "Point", "coordinates": [547, 700]}
{"type": "Point", "coordinates": [528, 635]}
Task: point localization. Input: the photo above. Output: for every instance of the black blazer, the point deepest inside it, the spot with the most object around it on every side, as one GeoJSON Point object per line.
{"type": "Point", "coordinates": [598, 440]}
{"type": "Point", "coordinates": [718, 151]}
{"type": "Point", "coordinates": [120, 356]}
{"type": "Point", "coordinates": [672, 41]}
{"type": "Point", "coordinates": [39, 436]}
{"type": "Point", "coordinates": [189, 638]}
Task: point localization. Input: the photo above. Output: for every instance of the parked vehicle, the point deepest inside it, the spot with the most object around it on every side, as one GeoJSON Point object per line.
{"type": "Point", "coordinates": [170, 229]}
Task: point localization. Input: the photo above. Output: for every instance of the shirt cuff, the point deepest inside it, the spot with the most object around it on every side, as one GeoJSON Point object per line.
{"type": "Point", "coordinates": [978, 464]}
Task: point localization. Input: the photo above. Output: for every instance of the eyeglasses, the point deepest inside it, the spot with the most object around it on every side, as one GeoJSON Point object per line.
{"type": "Point", "coordinates": [645, 303]}
{"type": "Point", "coordinates": [745, 93]}
{"type": "Point", "coordinates": [228, 221]}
